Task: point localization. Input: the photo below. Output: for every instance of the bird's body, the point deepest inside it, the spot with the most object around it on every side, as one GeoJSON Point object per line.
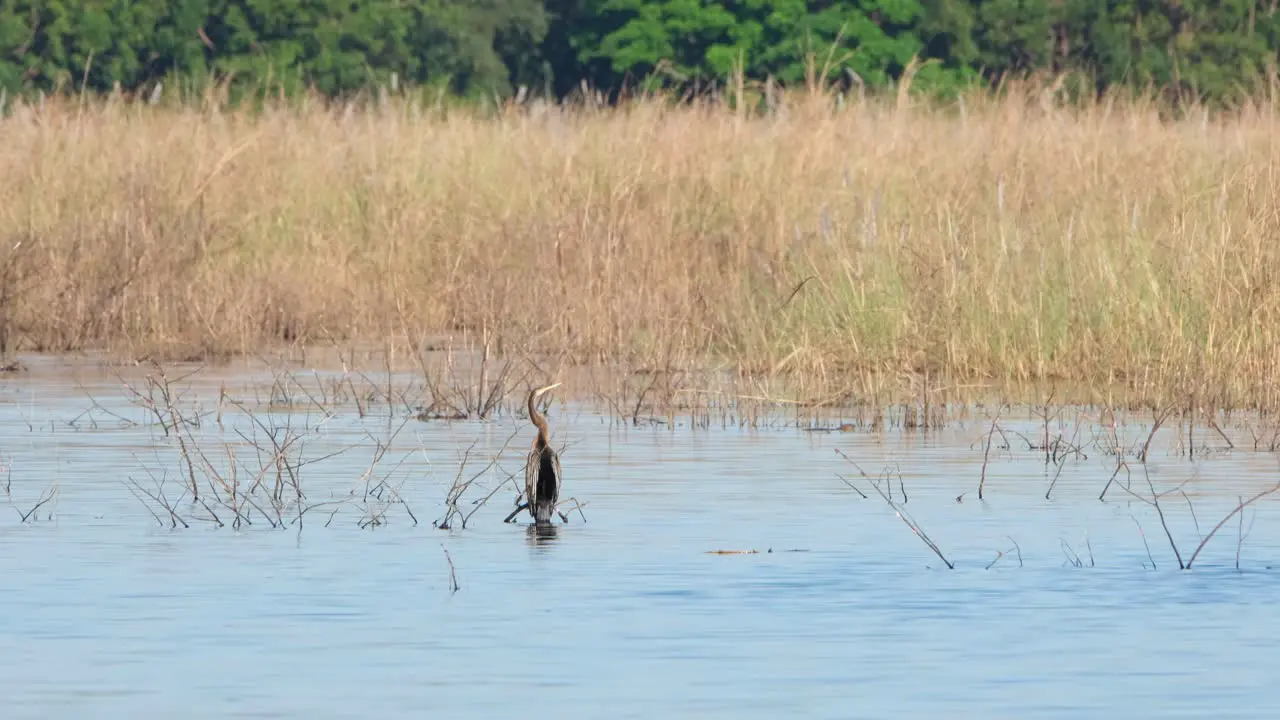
{"type": "Point", "coordinates": [542, 469]}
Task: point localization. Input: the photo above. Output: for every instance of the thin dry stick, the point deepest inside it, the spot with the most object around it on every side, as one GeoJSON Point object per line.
{"type": "Point", "coordinates": [902, 514]}
{"type": "Point", "coordinates": [1056, 475]}
{"type": "Point", "coordinates": [999, 554]}
{"type": "Point", "coordinates": [1016, 547]}
{"type": "Point", "coordinates": [1192, 508]}
{"type": "Point", "coordinates": [1224, 520]}
{"type": "Point", "coordinates": [214, 515]}
{"type": "Point", "coordinates": [1072, 448]}
{"type": "Point", "coordinates": [159, 497]}
{"type": "Point", "coordinates": [144, 503]}
{"type": "Point", "coordinates": [985, 455]}
{"type": "Point", "coordinates": [576, 506]}
{"type": "Point", "coordinates": [178, 423]}
{"type": "Point", "coordinates": [1072, 557]}
{"type": "Point", "coordinates": [480, 503]}
{"type": "Point", "coordinates": [1144, 541]}
{"type": "Point", "coordinates": [44, 498]}
{"type": "Point", "coordinates": [1047, 452]}
{"type": "Point", "coordinates": [1121, 464]}
{"type": "Point", "coordinates": [1240, 533]}
{"type": "Point", "coordinates": [855, 487]}
{"type": "Point", "coordinates": [453, 572]}
{"type": "Point", "coordinates": [1244, 533]}
{"type": "Point", "coordinates": [1155, 500]}
{"type": "Point", "coordinates": [459, 488]}
{"type": "Point", "coordinates": [1214, 424]}
{"type": "Point", "coordinates": [124, 421]}
{"type": "Point", "coordinates": [1146, 446]}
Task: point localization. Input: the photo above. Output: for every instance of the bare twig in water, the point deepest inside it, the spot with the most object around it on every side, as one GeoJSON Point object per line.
{"type": "Point", "coordinates": [1056, 474]}
{"type": "Point", "coordinates": [123, 421]}
{"type": "Point", "coordinates": [1155, 500]}
{"type": "Point", "coordinates": [461, 486]}
{"type": "Point", "coordinates": [376, 512]}
{"type": "Point", "coordinates": [986, 453]}
{"type": "Point", "coordinates": [1144, 541]}
{"type": "Point", "coordinates": [1243, 504]}
{"type": "Point", "coordinates": [176, 420]}
{"type": "Point", "coordinates": [576, 506]}
{"type": "Point", "coordinates": [159, 498]}
{"type": "Point", "coordinates": [1240, 532]}
{"type": "Point", "coordinates": [1059, 459]}
{"type": "Point", "coordinates": [480, 503]}
{"type": "Point", "coordinates": [453, 572]}
{"type": "Point", "coordinates": [1192, 508]}
{"type": "Point", "coordinates": [1001, 553]}
{"type": "Point", "coordinates": [45, 497]}
{"type": "Point", "coordinates": [855, 487]}
{"type": "Point", "coordinates": [1016, 547]}
{"type": "Point", "coordinates": [1214, 424]}
{"type": "Point", "coordinates": [1146, 446]}
{"type": "Point", "coordinates": [1120, 465]}
{"type": "Point", "coordinates": [1048, 451]}
{"type": "Point", "coordinates": [902, 514]}
{"type": "Point", "coordinates": [1243, 533]}
{"type": "Point", "coordinates": [1067, 550]}
{"type": "Point", "coordinates": [458, 488]}
{"type": "Point", "coordinates": [144, 504]}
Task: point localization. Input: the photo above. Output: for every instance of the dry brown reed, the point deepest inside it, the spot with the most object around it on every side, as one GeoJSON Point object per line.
{"type": "Point", "coordinates": [879, 250]}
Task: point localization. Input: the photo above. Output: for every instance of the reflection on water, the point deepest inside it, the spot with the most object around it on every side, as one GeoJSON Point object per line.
{"type": "Point", "coordinates": [539, 535]}
{"type": "Point", "coordinates": [106, 613]}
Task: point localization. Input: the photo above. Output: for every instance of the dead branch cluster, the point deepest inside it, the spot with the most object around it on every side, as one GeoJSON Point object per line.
{"type": "Point", "coordinates": [1057, 447]}
{"type": "Point", "coordinates": [242, 461]}
{"type": "Point", "coordinates": [254, 474]}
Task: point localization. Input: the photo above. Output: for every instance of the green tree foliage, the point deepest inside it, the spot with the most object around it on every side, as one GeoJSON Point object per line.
{"type": "Point", "coordinates": [689, 40]}
{"type": "Point", "coordinates": [65, 44]}
{"type": "Point", "coordinates": [332, 45]}
{"type": "Point", "coordinates": [1211, 49]}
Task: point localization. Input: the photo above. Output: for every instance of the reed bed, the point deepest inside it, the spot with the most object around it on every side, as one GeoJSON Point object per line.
{"type": "Point", "coordinates": [832, 253]}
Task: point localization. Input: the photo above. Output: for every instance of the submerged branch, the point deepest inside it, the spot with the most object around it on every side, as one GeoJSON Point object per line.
{"type": "Point", "coordinates": [902, 514]}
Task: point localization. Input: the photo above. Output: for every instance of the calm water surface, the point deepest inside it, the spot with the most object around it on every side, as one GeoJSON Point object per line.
{"type": "Point", "coordinates": [105, 614]}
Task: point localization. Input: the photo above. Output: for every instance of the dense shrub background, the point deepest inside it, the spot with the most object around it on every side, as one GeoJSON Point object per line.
{"type": "Point", "coordinates": [485, 48]}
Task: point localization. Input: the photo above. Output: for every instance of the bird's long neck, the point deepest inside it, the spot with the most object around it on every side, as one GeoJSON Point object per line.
{"type": "Point", "coordinates": [544, 436]}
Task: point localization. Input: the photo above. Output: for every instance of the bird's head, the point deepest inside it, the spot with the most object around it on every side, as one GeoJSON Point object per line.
{"type": "Point", "coordinates": [547, 388]}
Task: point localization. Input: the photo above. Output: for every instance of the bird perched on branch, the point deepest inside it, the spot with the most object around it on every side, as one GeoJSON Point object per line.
{"type": "Point", "coordinates": [542, 469]}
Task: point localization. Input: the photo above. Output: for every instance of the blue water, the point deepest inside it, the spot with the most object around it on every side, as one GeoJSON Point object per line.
{"type": "Point", "coordinates": [105, 613]}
